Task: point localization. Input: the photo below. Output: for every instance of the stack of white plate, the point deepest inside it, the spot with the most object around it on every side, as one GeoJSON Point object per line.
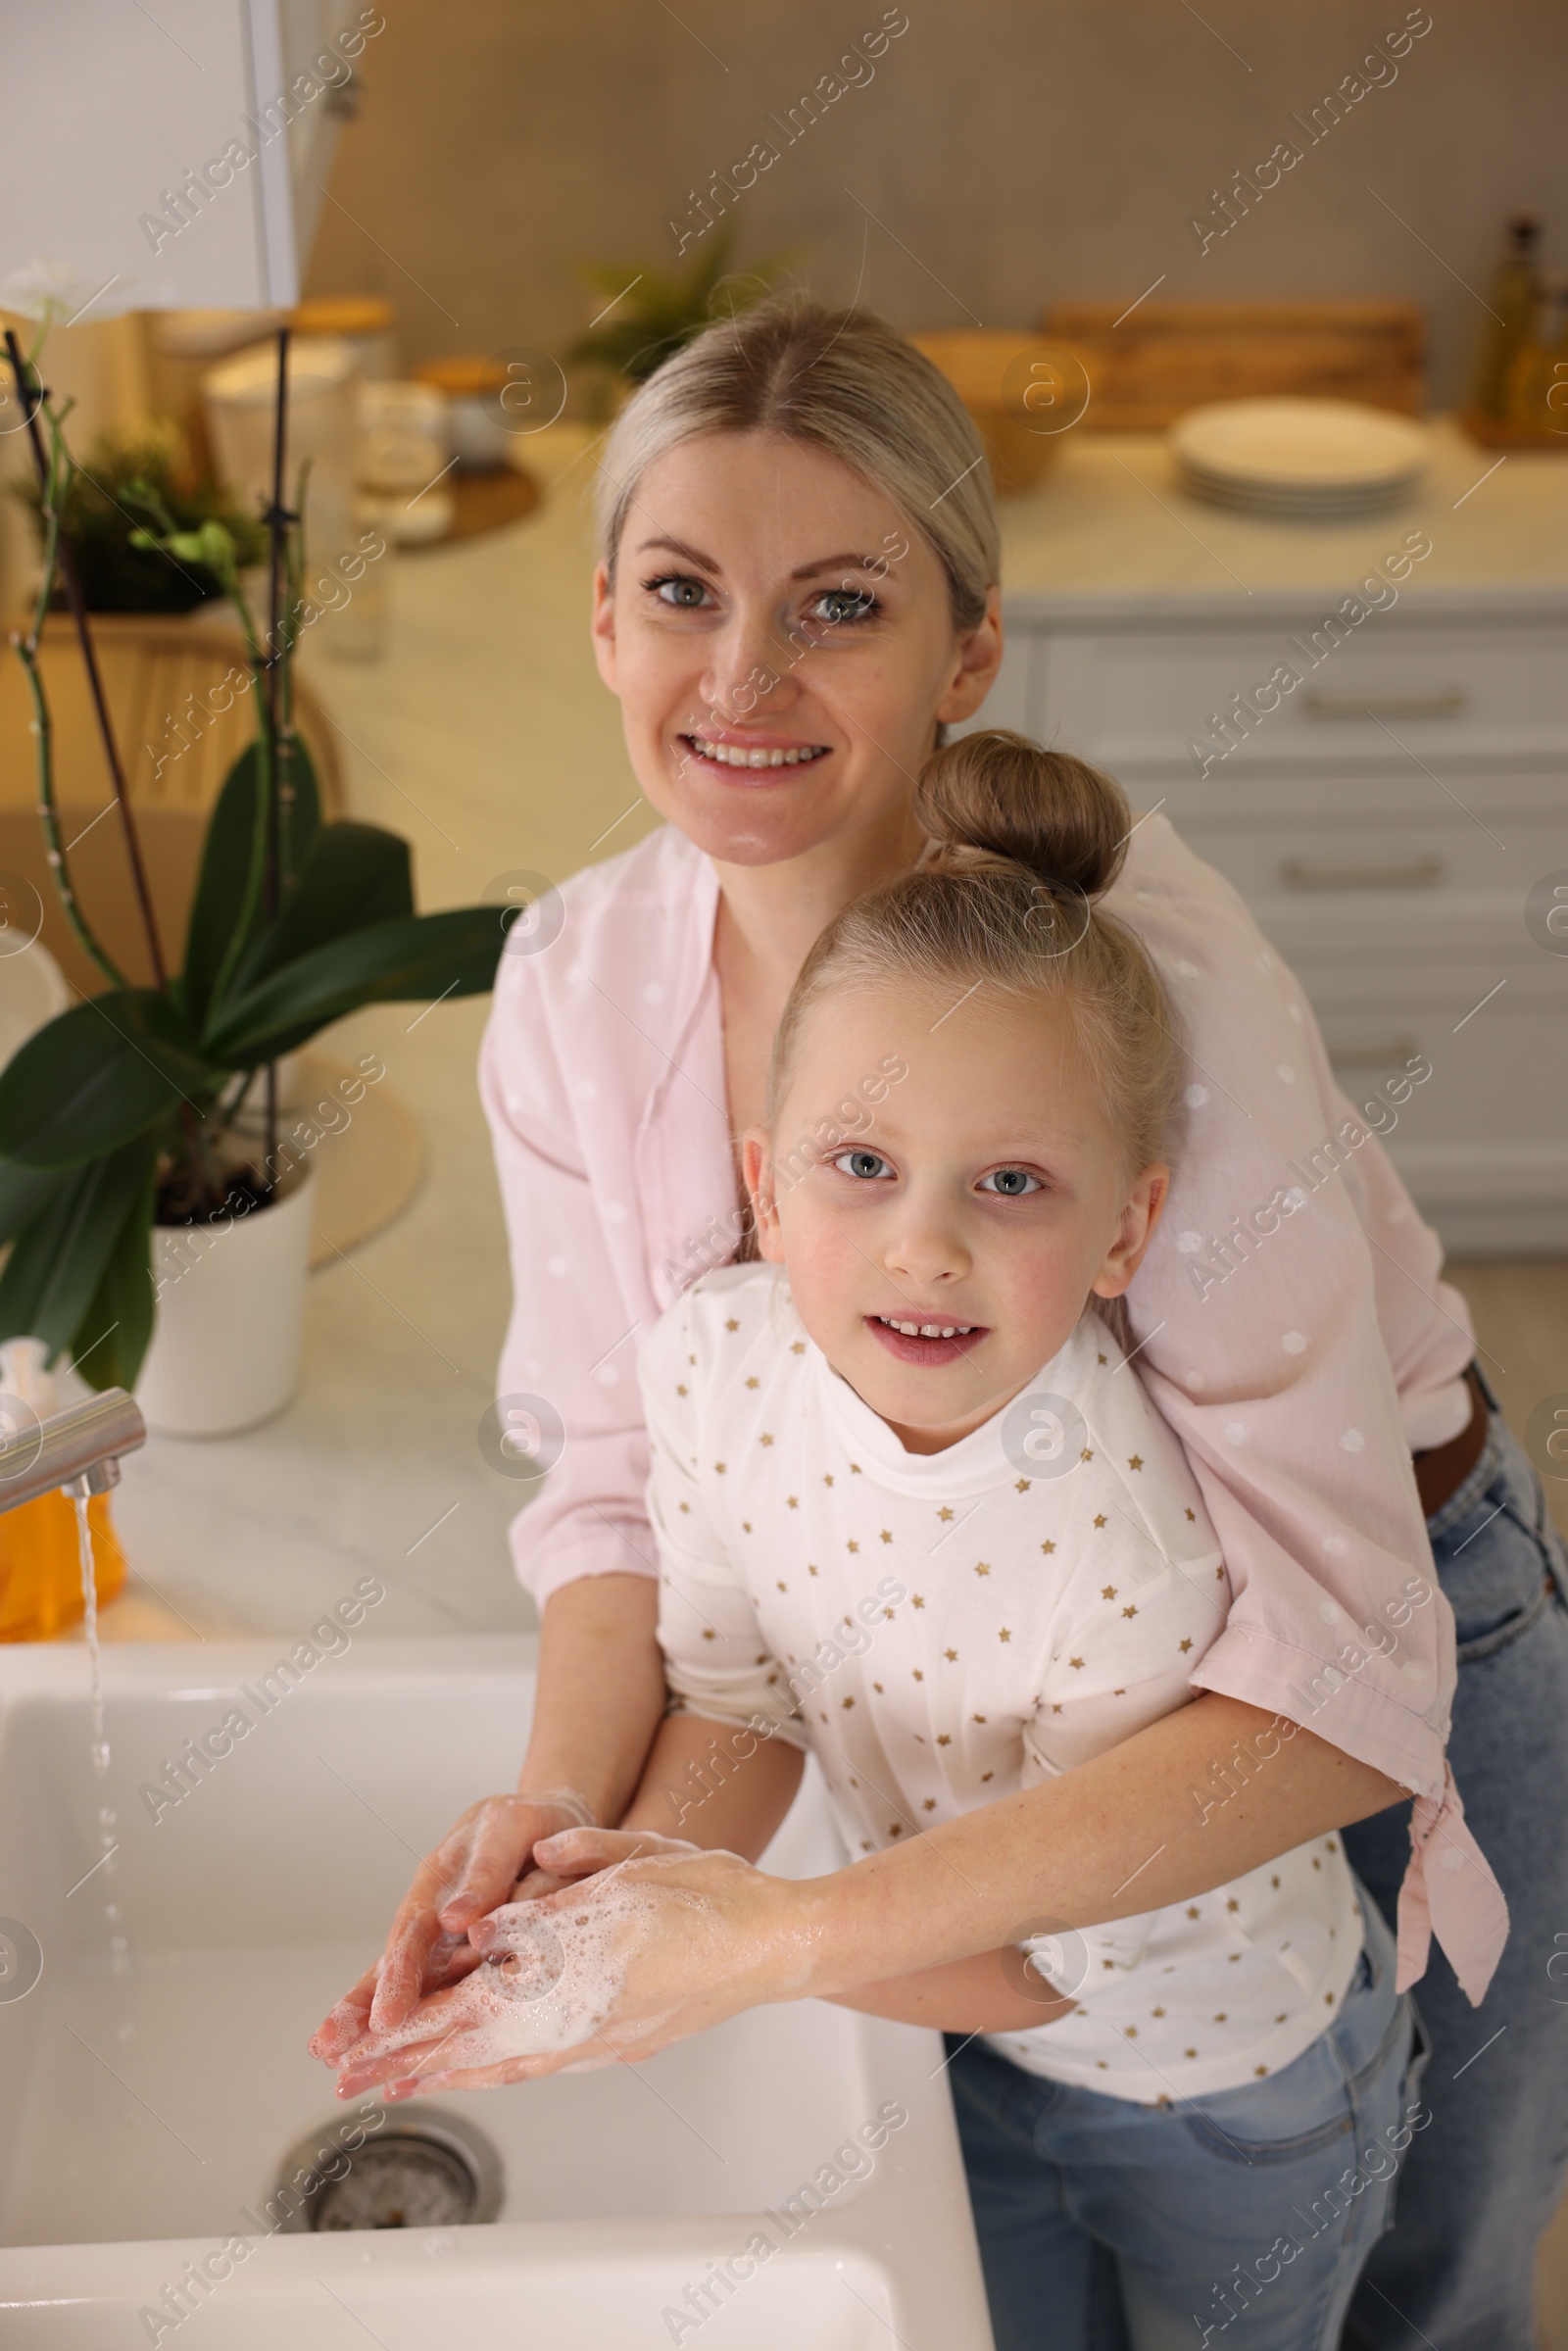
{"type": "Point", "coordinates": [1299, 460]}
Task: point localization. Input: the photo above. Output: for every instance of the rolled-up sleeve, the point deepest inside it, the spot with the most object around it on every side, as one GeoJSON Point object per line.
{"type": "Point", "coordinates": [571, 1322]}
{"type": "Point", "coordinates": [1259, 1338]}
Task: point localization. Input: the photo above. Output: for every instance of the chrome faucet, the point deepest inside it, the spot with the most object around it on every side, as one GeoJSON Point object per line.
{"type": "Point", "coordinates": [78, 1451]}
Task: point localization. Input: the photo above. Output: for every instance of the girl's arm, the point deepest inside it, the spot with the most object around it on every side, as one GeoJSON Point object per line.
{"type": "Point", "coordinates": [967, 1995]}
{"type": "Point", "coordinates": [599, 1698]}
{"type": "Point", "coordinates": [718, 1786]}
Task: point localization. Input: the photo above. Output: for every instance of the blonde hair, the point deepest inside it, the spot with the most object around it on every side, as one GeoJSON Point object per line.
{"type": "Point", "coordinates": [839, 380]}
{"type": "Point", "coordinates": [1022, 843]}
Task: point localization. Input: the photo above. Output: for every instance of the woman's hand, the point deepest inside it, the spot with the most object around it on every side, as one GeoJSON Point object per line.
{"type": "Point", "coordinates": [661, 1941]}
{"type": "Point", "coordinates": [470, 1873]}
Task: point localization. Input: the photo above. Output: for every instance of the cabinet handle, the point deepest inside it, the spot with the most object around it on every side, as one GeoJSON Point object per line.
{"type": "Point", "coordinates": [1387, 1056]}
{"type": "Point", "coordinates": [1451, 701]}
{"type": "Point", "coordinates": [1422, 873]}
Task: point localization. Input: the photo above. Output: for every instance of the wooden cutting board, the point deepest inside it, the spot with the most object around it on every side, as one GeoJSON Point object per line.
{"type": "Point", "coordinates": [179, 724]}
{"type": "Point", "coordinates": [1165, 358]}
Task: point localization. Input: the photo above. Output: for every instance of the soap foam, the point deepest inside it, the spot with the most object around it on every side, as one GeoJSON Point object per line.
{"type": "Point", "coordinates": [548, 1983]}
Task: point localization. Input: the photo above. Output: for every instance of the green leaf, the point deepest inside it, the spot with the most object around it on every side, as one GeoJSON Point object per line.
{"type": "Point", "coordinates": [110, 1340]}
{"type": "Point", "coordinates": [58, 1262]}
{"type": "Point", "coordinates": [106, 1070]}
{"type": "Point", "coordinates": [420, 957]}
{"type": "Point", "coordinates": [358, 875]}
{"type": "Point", "coordinates": [227, 860]}
{"type": "Point", "coordinates": [25, 1192]}
{"type": "Point", "coordinates": [222, 887]}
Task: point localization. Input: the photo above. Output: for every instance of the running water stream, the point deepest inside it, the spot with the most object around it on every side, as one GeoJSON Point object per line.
{"type": "Point", "coordinates": [118, 1947]}
{"type": "Point", "coordinates": [99, 1749]}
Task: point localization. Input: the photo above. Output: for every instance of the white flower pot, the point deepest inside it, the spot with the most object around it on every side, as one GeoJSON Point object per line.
{"type": "Point", "coordinates": [225, 1348]}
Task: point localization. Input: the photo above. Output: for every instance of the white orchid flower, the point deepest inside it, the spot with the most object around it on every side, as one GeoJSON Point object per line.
{"type": "Point", "coordinates": [49, 289]}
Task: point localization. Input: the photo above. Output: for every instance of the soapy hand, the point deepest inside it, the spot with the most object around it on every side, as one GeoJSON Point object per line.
{"type": "Point", "coordinates": [476, 1866]}
{"type": "Point", "coordinates": [656, 1939]}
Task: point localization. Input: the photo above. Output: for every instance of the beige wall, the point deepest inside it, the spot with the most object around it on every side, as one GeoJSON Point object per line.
{"type": "Point", "coordinates": [1013, 151]}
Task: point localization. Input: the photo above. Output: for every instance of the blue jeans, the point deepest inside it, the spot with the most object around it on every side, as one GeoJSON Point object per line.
{"type": "Point", "coordinates": [1239, 2220]}
{"type": "Point", "coordinates": [1483, 2182]}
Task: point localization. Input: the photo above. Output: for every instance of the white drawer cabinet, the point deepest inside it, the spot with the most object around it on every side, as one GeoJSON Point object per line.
{"type": "Point", "coordinates": [1402, 790]}
{"type": "Point", "coordinates": [1385, 891]}
{"type": "Point", "coordinates": [1385, 822]}
{"type": "Point", "coordinates": [1387, 691]}
{"type": "Point", "coordinates": [1482, 1143]}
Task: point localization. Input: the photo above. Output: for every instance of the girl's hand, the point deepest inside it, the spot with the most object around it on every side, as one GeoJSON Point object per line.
{"type": "Point", "coordinates": [663, 1940]}
{"type": "Point", "coordinates": [471, 1871]}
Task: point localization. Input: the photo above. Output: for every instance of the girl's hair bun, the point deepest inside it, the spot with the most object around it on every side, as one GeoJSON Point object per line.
{"type": "Point", "coordinates": [1021, 842]}
{"type": "Point", "coordinates": [997, 793]}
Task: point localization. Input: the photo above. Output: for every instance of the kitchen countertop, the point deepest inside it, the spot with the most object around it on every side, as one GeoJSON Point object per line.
{"type": "Point", "coordinates": [484, 735]}
{"type": "Point", "coordinates": [1109, 529]}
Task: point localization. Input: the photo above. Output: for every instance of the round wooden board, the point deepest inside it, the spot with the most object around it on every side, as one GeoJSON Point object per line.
{"type": "Point", "coordinates": [368, 1153]}
{"type": "Point", "coordinates": [483, 502]}
{"type": "Point", "coordinates": [367, 1171]}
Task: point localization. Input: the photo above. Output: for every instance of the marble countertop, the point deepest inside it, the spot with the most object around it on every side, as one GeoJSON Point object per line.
{"type": "Point", "coordinates": [1109, 530]}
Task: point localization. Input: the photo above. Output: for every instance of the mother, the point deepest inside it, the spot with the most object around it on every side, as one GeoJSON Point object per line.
{"type": "Point", "coordinates": [798, 592]}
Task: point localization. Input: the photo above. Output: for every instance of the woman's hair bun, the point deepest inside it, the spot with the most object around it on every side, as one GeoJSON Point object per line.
{"type": "Point", "coordinates": [998, 793]}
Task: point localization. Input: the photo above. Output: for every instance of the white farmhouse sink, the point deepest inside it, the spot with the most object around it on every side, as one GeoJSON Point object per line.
{"type": "Point", "coordinates": [145, 2114]}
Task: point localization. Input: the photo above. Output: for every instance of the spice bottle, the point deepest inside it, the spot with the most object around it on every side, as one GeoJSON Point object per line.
{"type": "Point", "coordinates": [1515, 293]}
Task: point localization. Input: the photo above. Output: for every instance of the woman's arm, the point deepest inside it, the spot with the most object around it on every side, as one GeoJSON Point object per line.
{"type": "Point", "coordinates": [1255, 1315]}
{"type": "Point", "coordinates": [1143, 1825]}
{"type": "Point", "coordinates": [582, 1546]}
{"type": "Point", "coordinates": [1289, 1272]}
{"type": "Point", "coordinates": [989, 1993]}
{"type": "Point", "coordinates": [1135, 1828]}
{"type": "Point", "coordinates": [730, 1792]}
{"type": "Point", "coordinates": [600, 1696]}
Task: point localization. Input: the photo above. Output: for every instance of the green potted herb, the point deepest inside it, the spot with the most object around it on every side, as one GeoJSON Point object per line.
{"type": "Point", "coordinates": [654, 311]}
{"type": "Point", "coordinates": [119, 1115]}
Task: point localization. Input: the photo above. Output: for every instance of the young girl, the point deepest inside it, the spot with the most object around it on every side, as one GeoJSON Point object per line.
{"type": "Point", "coordinates": [914, 1511]}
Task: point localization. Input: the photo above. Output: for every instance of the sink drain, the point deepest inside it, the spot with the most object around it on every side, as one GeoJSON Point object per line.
{"type": "Point", "coordinates": [433, 2173]}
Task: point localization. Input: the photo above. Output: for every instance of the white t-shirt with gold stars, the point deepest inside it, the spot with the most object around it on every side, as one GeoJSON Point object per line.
{"type": "Point", "coordinates": [942, 1629]}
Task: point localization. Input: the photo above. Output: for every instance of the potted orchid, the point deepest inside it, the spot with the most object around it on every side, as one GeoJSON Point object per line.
{"type": "Point", "coordinates": [121, 1121]}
